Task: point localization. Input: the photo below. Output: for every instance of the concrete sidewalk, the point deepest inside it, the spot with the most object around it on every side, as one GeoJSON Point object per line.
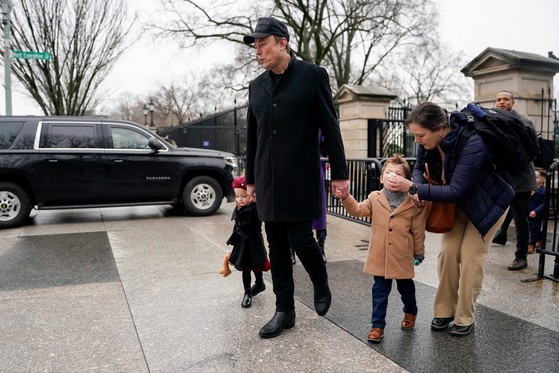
{"type": "Point", "coordinates": [137, 290]}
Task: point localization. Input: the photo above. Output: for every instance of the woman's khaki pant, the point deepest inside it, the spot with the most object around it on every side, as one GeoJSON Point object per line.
{"type": "Point", "coordinates": [461, 258]}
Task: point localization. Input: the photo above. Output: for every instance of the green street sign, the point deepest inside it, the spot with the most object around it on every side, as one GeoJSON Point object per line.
{"type": "Point", "coordinates": [31, 55]}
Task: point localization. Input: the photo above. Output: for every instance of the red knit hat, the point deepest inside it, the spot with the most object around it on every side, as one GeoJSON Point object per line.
{"type": "Point", "coordinates": [240, 183]}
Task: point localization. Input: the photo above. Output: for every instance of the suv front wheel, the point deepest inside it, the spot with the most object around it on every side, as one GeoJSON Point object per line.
{"type": "Point", "coordinates": [202, 196]}
{"type": "Point", "coordinates": [15, 205]}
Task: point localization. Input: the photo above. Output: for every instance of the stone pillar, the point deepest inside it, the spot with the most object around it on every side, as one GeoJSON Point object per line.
{"type": "Point", "coordinates": [526, 75]}
{"type": "Point", "coordinates": [357, 104]}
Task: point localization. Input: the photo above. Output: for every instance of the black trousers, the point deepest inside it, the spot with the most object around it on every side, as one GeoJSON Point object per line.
{"type": "Point", "coordinates": [297, 236]}
{"type": "Point", "coordinates": [520, 211]}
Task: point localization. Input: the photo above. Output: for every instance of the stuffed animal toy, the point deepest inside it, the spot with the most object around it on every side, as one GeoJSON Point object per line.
{"type": "Point", "coordinates": [225, 271]}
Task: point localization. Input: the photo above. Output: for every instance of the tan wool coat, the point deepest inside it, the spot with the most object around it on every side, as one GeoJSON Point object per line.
{"type": "Point", "coordinates": [396, 236]}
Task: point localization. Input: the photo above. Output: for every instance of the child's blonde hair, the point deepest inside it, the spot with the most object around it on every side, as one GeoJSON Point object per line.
{"type": "Point", "coordinates": [398, 159]}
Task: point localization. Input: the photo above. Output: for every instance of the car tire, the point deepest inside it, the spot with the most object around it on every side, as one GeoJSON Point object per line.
{"type": "Point", "coordinates": [202, 196]}
{"type": "Point", "coordinates": [15, 205]}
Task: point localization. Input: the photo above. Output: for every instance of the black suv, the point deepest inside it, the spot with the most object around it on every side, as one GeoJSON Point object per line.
{"type": "Point", "coordinates": [71, 162]}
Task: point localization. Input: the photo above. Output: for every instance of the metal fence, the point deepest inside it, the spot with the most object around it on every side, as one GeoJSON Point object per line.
{"type": "Point", "coordinates": [224, 131]}
{"type": "Point", "coordinates": [550, 226]}
{"type": "Point", "coordinates": [364, 175]}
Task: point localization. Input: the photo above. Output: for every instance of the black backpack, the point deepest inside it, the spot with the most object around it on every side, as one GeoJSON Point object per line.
{"type": "Point", "coordinates": [511, 137]}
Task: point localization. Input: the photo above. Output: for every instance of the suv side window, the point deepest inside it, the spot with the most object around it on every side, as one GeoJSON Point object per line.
{"type": "Point", "coordinates": [128, 138]}
{"type": "Point", "coordinates": [69, 135]}
{"type": "Point", "coordinates": [8, 133]}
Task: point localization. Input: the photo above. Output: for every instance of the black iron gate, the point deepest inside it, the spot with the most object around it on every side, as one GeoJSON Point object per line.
{"type": "Point", "coordinates": [550, 226]}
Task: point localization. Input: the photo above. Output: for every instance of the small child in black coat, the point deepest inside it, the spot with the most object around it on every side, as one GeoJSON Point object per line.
{"type": "Point", "coordinates": [248, 253]}
{"type": "Point", "coordinates": [536, 209]}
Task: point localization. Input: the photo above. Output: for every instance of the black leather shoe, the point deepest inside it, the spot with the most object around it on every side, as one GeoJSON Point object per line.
{"type": "Point", "coordinates": [459, 330]}
{"type": "Point", "coordinates": [500, 239]}
{"type": "Point", "coordinates": [293, 259]}
{"type": "Point", "coordinates": [440, 323]}
{"type": "Point", "coordinates": [518, 264]}
{"type": "Point", "coordinates": [257, 288]}
{"type": "Point", "coordinates": [247, 299]}
{"type": "Point", "coordinates": [278, 323]}
{"type": "Point", "coordinates": [322, 298]}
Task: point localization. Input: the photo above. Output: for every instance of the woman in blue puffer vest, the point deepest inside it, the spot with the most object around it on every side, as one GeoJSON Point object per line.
{"type": "Point", "coordinates": [482, 195]}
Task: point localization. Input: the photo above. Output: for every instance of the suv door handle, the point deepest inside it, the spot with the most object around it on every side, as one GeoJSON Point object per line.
{"type": "Point", "coordinates": [118, 160]}
{"type": "Point", "coordinates": [53, 160]}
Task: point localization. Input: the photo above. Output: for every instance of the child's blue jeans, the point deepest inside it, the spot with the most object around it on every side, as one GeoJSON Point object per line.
{"type": "Point", "coordinates": [381, 291]}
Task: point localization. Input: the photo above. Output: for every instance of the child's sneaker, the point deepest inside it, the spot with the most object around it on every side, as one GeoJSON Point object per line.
{"type": "Point", "coordinates": [409, 321]}
{"type": "Point", "coordinates": [375, 335]}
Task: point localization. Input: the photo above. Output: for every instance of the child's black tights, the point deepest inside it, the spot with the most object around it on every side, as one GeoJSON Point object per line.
{"type": "Point", "coordinates": [247, 278]}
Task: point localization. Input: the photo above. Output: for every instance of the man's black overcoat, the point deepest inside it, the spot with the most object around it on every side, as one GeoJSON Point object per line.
{"type": "Point", "coordinates": [283, 160]}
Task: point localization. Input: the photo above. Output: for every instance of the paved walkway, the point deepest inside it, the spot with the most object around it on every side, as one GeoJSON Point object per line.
{"type": "Point", "coordinates": [137, 290]}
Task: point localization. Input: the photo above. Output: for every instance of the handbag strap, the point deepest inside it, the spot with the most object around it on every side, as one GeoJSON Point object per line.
{"type": "Point", "coordinates": [426, 174]}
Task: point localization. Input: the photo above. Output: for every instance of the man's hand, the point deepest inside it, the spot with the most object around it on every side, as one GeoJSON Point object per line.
{"type": "Point", "coordinates": [341, 188]}
{"type": "Point", "coordinates": [338, 194]}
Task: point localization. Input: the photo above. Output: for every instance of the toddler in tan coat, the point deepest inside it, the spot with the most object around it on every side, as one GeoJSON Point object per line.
{"type": "Point", "coordinates": [395, 244]}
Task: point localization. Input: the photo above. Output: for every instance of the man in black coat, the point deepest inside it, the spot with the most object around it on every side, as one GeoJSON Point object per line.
{"type": "Point", "coordinates": [523, 184]}
{"type": "Point", "coordinates": [288, 104]}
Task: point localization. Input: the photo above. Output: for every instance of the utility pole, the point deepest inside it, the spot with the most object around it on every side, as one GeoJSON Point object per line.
{"type": "Point", "coordinates": [7, 25]}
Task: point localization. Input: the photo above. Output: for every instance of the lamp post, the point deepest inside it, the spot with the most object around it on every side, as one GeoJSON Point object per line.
{"type": "Point", "coordinates": [6, 23]}
{"type": "Point", "coordinates": [145, 110]}
{"type": "Point", "coordinates": [151, 107]}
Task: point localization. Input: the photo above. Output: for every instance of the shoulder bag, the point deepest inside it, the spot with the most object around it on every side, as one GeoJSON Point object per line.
{"type": "Point", "coordinates": [441, 215]}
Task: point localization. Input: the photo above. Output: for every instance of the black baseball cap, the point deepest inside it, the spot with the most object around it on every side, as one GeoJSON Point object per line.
{"type": "Point", "coordinates": [267, 26]}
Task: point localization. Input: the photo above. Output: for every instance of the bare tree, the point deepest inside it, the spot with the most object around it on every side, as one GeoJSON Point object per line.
{"type": "Point", "coordinates": [349, 37]}
{"type": "Point", "coordinates": [129, 107]}
{"type": "Point", "coordinates": [429, 72]}
{"type": "Point", "coordinates": [84, 37]}
{"type": "Point", "coordinates": [353, 37]}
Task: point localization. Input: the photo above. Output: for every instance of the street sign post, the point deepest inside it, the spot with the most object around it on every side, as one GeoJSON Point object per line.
{"type": "Point", "coordinates": [31, 55]}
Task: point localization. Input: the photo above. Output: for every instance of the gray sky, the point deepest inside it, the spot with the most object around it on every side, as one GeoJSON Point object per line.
{"type": "Point", "coordinates": [469, 26]}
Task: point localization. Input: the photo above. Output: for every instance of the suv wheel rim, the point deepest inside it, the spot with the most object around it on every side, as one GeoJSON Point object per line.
{"type": "Point", "coordinates": [203, 196]}
{"type": "Point", "coordinates": [9, 206]}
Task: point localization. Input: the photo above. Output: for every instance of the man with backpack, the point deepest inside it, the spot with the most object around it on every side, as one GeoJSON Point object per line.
{"type": "Point", "coordinates": [523, 183]}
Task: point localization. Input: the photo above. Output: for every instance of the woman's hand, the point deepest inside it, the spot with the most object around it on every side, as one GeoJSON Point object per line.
{"type": "Point", "coordinates": [397, 183]}
{"type": "Point", "coordinates": [417, 201]}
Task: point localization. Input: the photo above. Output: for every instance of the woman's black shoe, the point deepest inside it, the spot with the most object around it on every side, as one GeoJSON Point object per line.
{"type": "Point", "coordinates": [460, 330]}
{"type": "Point", "coordinates": [247, 299]}
{"type": "Point", "coordinates": [500, 239]}
{"type": "Point", "coordinates": [440, 323]}
{"type": "Point", "coordinates": [280, 321]}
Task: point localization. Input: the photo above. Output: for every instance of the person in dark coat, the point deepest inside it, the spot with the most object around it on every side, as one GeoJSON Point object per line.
{"type": "Point", "coordinates": [248, 253]}
{"type": "Point", "coordinates": [482, 195]}
{"type": "Point", "coordinates": [319, 224]}
{"type": "Point", "coordinates": [523, 184]}
{"type": "Point", "coordinates": [536, 214]}
{"type": "Point", "coordinates": [288, 104]}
